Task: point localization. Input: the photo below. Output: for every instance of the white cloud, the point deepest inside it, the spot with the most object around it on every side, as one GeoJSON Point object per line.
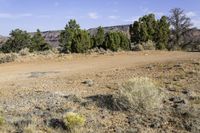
{"type": "Point", "coordinates": [93, 15]}
{"type": "Point", "coordinates": [191, 14]}
{"type": "Point", "coordinates": [14, 16]}
{"type": "Point", "coordinates": [113, 17]}
{"type": "Point", "coordinates": [196, 22]}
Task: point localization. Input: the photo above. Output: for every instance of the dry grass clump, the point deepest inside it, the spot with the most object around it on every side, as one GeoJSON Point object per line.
{"type": "Point", "coordinates": [5, 58]}
{"type": "Point", "coordinates": [1, 120]}
{"type": "Point", "coordinates": [140, 94]}
{"type": "Point", "coordinates": [24, 52]}
{"type": "Point", "coordinates": [74, 121]}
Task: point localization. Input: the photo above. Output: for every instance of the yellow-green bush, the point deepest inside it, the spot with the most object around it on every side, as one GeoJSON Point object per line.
{"type": "Point", "coordinates": [73, 120]}
{"type": "Point", "coordinates": [1, 120]}
{"type": "Point", "coordinates": [141, 94]}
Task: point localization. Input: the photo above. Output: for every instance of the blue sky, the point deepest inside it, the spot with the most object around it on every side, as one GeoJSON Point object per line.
{"type": "Point", "coordinates": [54, 14]}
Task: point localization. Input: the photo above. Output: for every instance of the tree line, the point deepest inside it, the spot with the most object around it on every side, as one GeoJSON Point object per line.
{"type": "Point", "coordinates": [164, 33]}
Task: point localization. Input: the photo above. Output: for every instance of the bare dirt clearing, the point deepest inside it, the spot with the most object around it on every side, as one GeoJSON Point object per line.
{"type": "Point", "coordinates": [41, 90]}
{"type": "Point", "coordinates": [87, 64]}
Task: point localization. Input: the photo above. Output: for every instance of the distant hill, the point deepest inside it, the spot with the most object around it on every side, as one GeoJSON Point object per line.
{"type": "Point", "coordinates": [3, 39]}
{"type": "Point", "coordinates": [52, 37]}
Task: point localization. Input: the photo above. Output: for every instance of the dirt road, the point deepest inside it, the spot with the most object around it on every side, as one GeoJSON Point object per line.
{"type": "Point", "coordinates": [21, 71]}
{"type": "Point", "coordinates": [43, 89]}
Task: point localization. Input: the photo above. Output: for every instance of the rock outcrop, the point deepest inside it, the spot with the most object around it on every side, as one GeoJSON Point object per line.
{"type": "Point", "coordinates": [2, 39]}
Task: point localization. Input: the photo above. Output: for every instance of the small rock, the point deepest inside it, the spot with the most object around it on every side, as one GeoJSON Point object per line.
{"type": "Point", "coordinates": [178, 65]}
{"type": "Point", "coordinates": [20, 124]}
{"type": "Point", "coordinates": [88, 82]}
{"type": "Point", "coordinates": [177, 100]}
{"type": "Point", "coordinates": [57, 123]}
{"type": "Point", "coordinates": [185, 92]}
{"type": "Point", "coordinates": [73, 98]}
{"type": "Point", "coordinates": [196, 63]}
{"type": "Point", "coordinates": [176, 78]}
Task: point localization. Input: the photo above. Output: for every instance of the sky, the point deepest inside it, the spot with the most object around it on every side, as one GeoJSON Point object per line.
{"type": "Point", "coordinates": [46, 15]}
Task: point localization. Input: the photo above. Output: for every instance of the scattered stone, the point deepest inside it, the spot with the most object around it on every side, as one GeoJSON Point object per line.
{"type": "Point", "coordinates": [177, 100]}
{"type": "Point", "coordinates": [178, 65]}
{"type": "Point", "coordinates": [88, 82]}
{"type": "Point", "coordinates": [21, 123]}
{"type": "Point", "coordinates": [196, 63]}
{"type": "Point", "coordinates": [73, 98]}
{"type": "Point", "coordinates": [57, 123]}
{"type": "Point", "coordinates": [176, 78]}
{"type": "Point", "coordinates": [185, 92]}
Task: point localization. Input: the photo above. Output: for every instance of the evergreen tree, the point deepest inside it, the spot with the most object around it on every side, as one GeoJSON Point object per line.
{"type": "Point", "coordinates": [135, 32]}
{"type": "Point", "coordinates": [39, 43]}
{"type": "Point", "coordinates": [162, 33]}
{"type": "Point", "coordinates": [66, 36]}
{"type": "Point", "coordinates": [99, 38]}
{"type": "Point", "coordinates": [81, 42]}
{"type": "Point", "coordinates": [17, 41]}
{"type": "Point", "coordinates": [124, 41]}
{"type": "Point", "coordinates": [112, 41]}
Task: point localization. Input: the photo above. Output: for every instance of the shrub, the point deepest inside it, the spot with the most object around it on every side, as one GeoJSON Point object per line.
{"type": "Point", "coordinates": [112, 41]}
{"type": "Point", "coordinates": [81, 42]}
{"type": "Point", "coordinates": [149, 45]}
{"type": "Point", "coordinates": [17, 41]}
{"type": "Point", "coordinates": [39, 43]}
{"type": "Point", "coordinates": [73, 121]}
{"type": "Point", "coordinates": [24, 52]}
{"type": "Point", "coordinates": [124, 41]}
{"type": "Point", "coordinates": [73, 39]}
{"type": "Point", "coordinates": [67, 36]}
{"type": "Point", "coordinates": [138, 47]}
{"type": "Point", "coordinates": [140, 94]}
{"type": "Point", "coordinates": [99, 38]}
{"type": "Point", "coordinates": [1, 120]}
{"type": "Point", "coordinates": [7, 58]}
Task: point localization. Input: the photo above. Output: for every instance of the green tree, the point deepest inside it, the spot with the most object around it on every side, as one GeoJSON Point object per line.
{"type": "Point", "coordinates": [67, 36]}
{"type": "Point", "coordinates": [112, 41]}
{"type": "Point", "coordinates": [99, 38]}
{"type": "Point", "coordinates": [144, 29]}
{"type": "Point", "coordinates": [81, 42]}
{"type": "Point", "coordinates": [124, 41]}
{"type": "Point", "coordinates": [144, 36]}
{"type": "Point", "coordinates": [39, 43]}
{"type": "Point", "coordinates": [151, 25]}
{"type": "Point", "coordinates": [17, 41]}
{"type": "Point", "coordinates": [135, 32]}
{"type": "Point", "coordinates": [162, 33]}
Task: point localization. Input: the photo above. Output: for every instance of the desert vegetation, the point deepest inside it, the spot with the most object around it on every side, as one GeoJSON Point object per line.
{"type": "Point", "coordinates": [148, 33]}
{"type": "Point", "coordinates": [94, 83]}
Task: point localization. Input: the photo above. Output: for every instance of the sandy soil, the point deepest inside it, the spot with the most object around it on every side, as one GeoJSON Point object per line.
{"type": "Point", "coordinates": [88, 64]}
{"type": "Point", "coordinates": [26, 86]}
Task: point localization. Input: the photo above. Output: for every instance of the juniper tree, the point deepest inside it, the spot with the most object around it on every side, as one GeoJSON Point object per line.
{"type": "Point", "coordinates": [180, 24]}
{"type": "Point", "coordinates": [99, 38]}
{"type": "Point", "coordinates": [17, 41]}
{"type": "Point", "coordinates": [39, 43]}
{"type": "Point", "coordinates": [162, 33]}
